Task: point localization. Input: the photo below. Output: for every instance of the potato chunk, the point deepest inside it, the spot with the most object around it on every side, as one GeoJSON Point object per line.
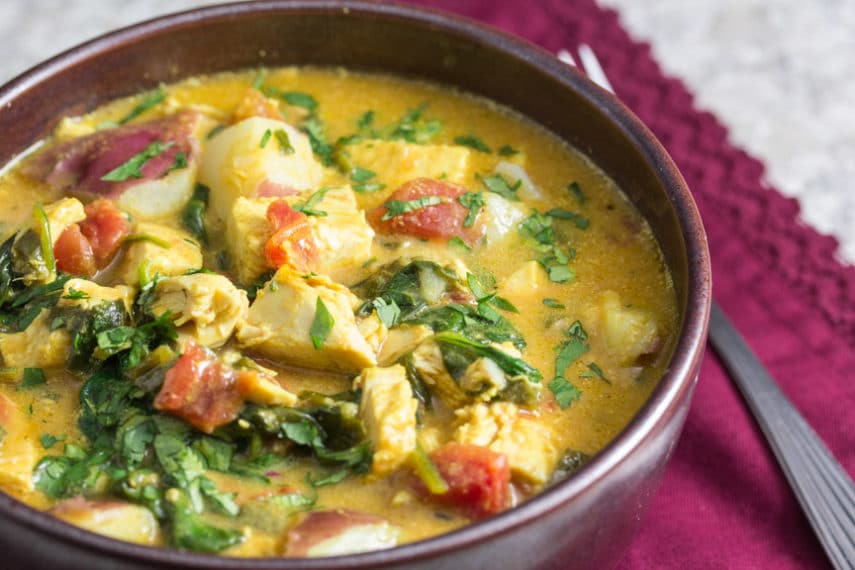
{"type": "Point", "coordinates": [279, 322]}
{"type": "Point", "coordinates": [205, 306]}
{"type": "Point", "coordinates": [17, 449]}
{"type": "Point", "coordinates": [527, 443]}
{"type": "Point", "coordinates": [115, 519]}
{"type": "Point", "coordinates": [524, 283]}
{"type": "Point", "coordinates": [332, 533]}
{"type": "Point", "coordinates": [400, 341]}
{"type": "Point", "coordinates": [628, 332]}
{"type": "Point", "coordinates": [342, 236]}
{"type": "Point", "coordinates": [234, 163]}
{"type": "Point", "coordinates": [37, 346]}
{"type": "Point", "coordinates": [388, 410]}
{"type": "Point", "coordinates": [396, 162]}
{"type": "Point", "coordinates": [182, 254]}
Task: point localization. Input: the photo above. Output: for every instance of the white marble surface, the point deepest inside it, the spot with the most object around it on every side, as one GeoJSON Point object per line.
{"type": "Point", "coordinates": [780, 73]}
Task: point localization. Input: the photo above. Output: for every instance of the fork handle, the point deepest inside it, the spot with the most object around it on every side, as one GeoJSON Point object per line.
{"type": "Point", "coordinates": [823, 488]}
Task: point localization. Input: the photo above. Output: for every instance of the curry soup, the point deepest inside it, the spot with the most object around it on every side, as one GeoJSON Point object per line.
{"type": "Point", "coordinates": [306, 312]}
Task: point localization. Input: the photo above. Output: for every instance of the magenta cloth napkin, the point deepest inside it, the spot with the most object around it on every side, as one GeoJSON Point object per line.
{"type": "Point", "coordinates": [723, 502]}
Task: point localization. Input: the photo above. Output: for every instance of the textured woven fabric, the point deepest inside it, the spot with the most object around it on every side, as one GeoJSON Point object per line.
{"type": "Point", "coordinates": [723, 502]}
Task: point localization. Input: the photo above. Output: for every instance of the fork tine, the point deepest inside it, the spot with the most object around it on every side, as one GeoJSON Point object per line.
{"type": "Point", "coordinates": [567, 57]}
{"type": "Point", "coordinates": [593, 67]}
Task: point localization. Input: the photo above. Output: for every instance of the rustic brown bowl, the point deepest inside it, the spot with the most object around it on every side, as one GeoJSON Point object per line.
{"type": "Point", "coordinates": [584, 522]}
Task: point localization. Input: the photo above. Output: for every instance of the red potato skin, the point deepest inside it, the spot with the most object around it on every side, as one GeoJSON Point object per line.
{"type": "Point", "coordinates": [440, 221]}
{"type": "Point", "coordinates": [85, 248]}
{"type": "Point", "coordinates": [478, 479]}
{"type": "Point", "coordinates": [292, 242]}
{"type": "Point", "coordinates": [319, 526]}
{"type": "Point", "coordinates": [77, 166]}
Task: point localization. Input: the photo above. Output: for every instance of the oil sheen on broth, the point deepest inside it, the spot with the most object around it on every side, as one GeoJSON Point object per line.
{"type": "Point", "coordinates": [314, 312]}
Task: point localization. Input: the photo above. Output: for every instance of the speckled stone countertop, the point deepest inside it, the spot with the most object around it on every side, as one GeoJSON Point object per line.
{"type": "Point", "coordinates": [779, 73]}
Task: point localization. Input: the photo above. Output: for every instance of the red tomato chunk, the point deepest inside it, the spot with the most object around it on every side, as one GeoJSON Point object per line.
{"type": "Point", "coordinates": [292, 242]}
{"type": "Point", "coordinates": [201, 390]}
{"type": "Point", "coordinates": [478, 478]}
{"type": "Point", "coordinates": [444, 220]}
{"type": "Point", "coordinates": [84, 248]}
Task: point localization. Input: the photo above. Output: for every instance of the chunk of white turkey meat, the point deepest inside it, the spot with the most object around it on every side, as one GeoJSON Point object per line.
{"type": "Point", "coordinates": [627, 332]}
{"type": "Point", "coordinates": [502, 427]}
{"type": "Point", "coordinates": [235, 164]}
{"type": "Point", "coordinates": [388, 411]}
{"type": "Point", "coordinates": [279, 324]}
{"type": "Point", "coordinates": [171, 252]}
{"type": "Point", "coordinates": [17, 449]}
{"type": "Point", "coordinates": [204, 306]}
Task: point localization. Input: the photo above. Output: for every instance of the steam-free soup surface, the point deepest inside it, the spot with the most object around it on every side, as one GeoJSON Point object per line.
{"type": "Point", "coordinates": [305, 312]}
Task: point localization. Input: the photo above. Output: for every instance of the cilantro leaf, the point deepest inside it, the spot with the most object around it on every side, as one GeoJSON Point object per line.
{"type": "Point", "coordinates": [265, 138]}
{"type": "Point", "coordinates": [132, 168]}
{"type": "Point", "coordinates": [472, 142]}
{"type": "Point", "coordinates": [150, 101]}
{"type": "Point", "coordinates": [32, 377]}
{"type": "Point", "coordinates": [507, 150]}
{"type": "Point", "coordinates": [298, 99]}
{"type": "Point", "coordinates": [398, 207]}
{"type": "Point", "coordinates": [308, 207]}
{"type": "Point", "coordinates": [473, 202]}
{"type": "Point", "coordinates": [322, 325]}
{"type": "Point", "coordinates": [576, 190]}
{"type": "Point", "coordinates": [497, 184]}
{"type": "Point", "coordinates": [284, 141]}
{"type": "Point", "coordinates": [553, 303]}
{"type": "Point", "coordinates": [565, 392]}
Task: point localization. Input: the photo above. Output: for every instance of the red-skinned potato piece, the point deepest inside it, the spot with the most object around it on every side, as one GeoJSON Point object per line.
{"type": "Point", "coordinates": [331, 533]}
{"type": "Point", "coordinates": [292, 242]}
{"type": "Point", "coordinates": [200, 389]}
{"type": "Point", "coordinates": [84, 248]}
{"type": "Point", "coordinates": [478, 478]}
{"type": "Point", "coordinates": [442, 221]}
{"type": "Point", "coordinates": [78, 165]}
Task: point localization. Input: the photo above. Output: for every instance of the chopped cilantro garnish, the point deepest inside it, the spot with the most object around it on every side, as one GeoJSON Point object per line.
{"type": "Point", "coordinates": [151, 100]}
{"type": "Point", "coordinates": [576, 190]}
{"type": "Point", "coordinates": [215, 131]}
{"type": "Point", "coordinates": [32, 377]}
{"type": "Point", "coordinates": [314, 129]}
{"type": "Point", "coordinates": [359, 174]}
{"type": "Point", "coordinates": [322, 325]}
{"type": "Point", "coordinates": [581, 221]}
{"type": "Point", "coordinates": [285, 146]}
{"type": "Point", "coordinates": [133, 167]}
{"type": "Point", "coordinates": [75, 294]}
{"type": "Point", "coordinates": [565, 392]}
{"type": "Point", "coordinates": [553, 303]}
{"type": "Point", "coordinates": [507, 150]}
{"type": "Point", "coordinates": [308, 207]}
{"type": "Point", "coordinates": [473, 202]}
{"type": "Point", "coordinates": [265, 138]}
{"type": "Point", "coordinates": [178, 163]}
{"type": "Point", "coordinates": [298, 99]}
{"type": "Point", "coordinates": [497, 184]}
{"type": "Point", "coordinates": [472, 142]}
{"type": "Point", "coordinates": [458, 243]}
{"type": "Point", "coordinates": [397, 207]}
{"type": "Point", "coordinates": [388, 311]}
{"type": "Point", "coordinates": [365, 120]}
{"type": "Point", "coordinates": [553, 257]}
{"type": "Point", "coordinates": [595, 371]}
{"type": "Point", "coordinates": [47, 440]}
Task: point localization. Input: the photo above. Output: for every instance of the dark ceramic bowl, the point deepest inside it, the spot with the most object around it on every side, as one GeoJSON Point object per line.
{"type": "Point", "coordinates": [584, 522]}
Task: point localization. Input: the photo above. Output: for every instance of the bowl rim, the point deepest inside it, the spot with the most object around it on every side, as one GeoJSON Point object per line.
{"type": "Point", "coordinates": [671, 387]}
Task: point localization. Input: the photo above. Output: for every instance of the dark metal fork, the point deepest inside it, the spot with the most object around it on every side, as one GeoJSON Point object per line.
{"type": "Point", "coordinates": [824, 490]}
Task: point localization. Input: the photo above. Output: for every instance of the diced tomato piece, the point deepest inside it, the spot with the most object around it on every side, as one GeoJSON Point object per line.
{"type": "Point", "coordinates": [292, 242]}
{"type": "Point", "coordinates": [443, 220]}
{"type": "Point", "coordinates": [73, 253]}
{"type": "Point", "coordinates": [200, 390]}
{"type": "Point", "coordinates": [105, 227]}
{"type": "Point", "coordinates": [255, 104]}
{"type": "Point", "coordinates": [478, 478]}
